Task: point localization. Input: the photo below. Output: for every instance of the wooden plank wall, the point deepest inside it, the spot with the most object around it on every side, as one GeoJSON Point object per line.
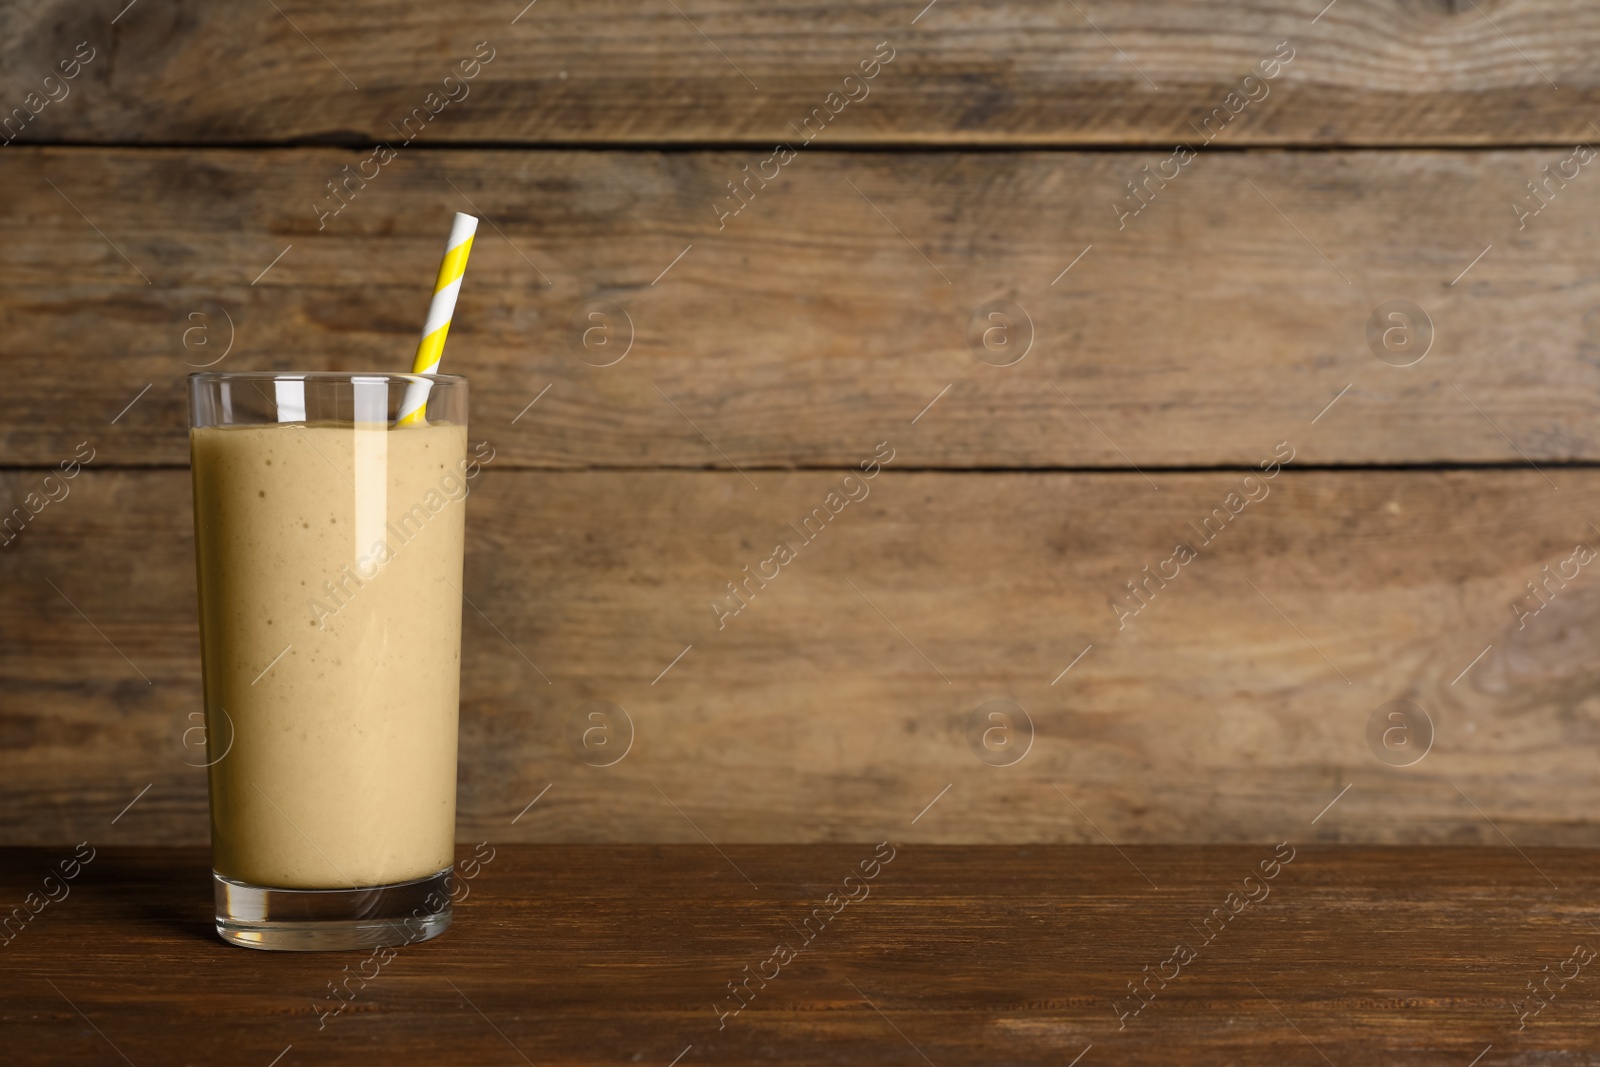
{"type": "Point", "coordinates": [168, 207]}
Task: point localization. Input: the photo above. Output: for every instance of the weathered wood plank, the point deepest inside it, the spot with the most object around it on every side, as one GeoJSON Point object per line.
{"type": "Point", "coordinates": [623, 955]}
{"type": "Point", "coordinates": [1230, 313]}
{"type": "Point", "coordinates": [1366, 71]}
{"type": "Point", "coordinates": [837, 704]}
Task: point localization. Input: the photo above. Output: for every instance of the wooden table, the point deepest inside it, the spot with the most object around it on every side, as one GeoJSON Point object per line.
{"type": "Point", "coordinates": [948, 955]}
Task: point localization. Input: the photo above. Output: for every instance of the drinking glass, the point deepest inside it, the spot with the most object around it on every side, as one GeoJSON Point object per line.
{"type": "Point", "coordinates": [328, 542]}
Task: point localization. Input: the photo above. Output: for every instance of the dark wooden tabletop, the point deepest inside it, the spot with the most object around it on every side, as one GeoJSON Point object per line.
{"type": "Point", "coordinates": [946, 955]}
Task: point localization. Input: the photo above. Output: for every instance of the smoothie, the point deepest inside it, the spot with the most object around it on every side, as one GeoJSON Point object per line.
{"type": "Point", "coordinates": [329, 565]}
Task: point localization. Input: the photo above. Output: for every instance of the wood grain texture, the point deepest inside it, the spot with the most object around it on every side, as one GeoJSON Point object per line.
{"type": "Point", "coordinates": [1366, 71]}
{"type": "Point", "coordinates": [617, 955]}
{"type": "Point", "coordinates": [839, 700]}
{"type": "Point", "coordinates": [1230, 313]}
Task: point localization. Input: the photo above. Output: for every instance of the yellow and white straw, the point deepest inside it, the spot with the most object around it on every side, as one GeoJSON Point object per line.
{"type": "Point", "coordinates": [445, 289]}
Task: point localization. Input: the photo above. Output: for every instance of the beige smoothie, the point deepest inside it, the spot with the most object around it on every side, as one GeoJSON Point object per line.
{"type": "Point", "coordinates": [329, 560]}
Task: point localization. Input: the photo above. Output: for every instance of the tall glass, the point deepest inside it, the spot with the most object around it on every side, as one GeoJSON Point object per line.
{"type": "Point", "coordinates": [328, 542]}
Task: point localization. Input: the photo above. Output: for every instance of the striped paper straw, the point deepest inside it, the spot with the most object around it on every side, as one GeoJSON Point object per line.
{"type": "Point", "coordinates": [445, 289]}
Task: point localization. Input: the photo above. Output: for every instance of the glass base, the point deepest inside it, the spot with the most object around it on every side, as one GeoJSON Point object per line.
{"type": "Point", "coordinates": [321, 920]}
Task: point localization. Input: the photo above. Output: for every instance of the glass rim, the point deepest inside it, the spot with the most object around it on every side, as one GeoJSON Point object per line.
{"type": "Point", "coordinates": [322, 376]}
